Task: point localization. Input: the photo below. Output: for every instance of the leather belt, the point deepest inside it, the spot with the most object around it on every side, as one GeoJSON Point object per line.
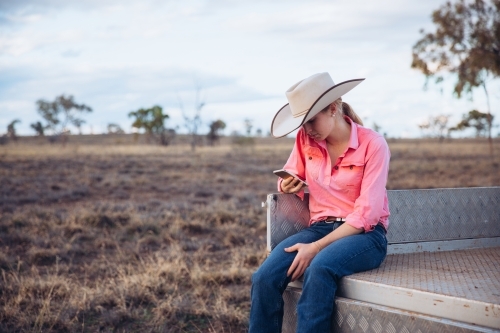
{"type": "Point", "coordinates": [335, 219]}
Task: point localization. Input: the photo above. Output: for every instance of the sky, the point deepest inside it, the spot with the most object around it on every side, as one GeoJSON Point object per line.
{"type": "Point", "coordinates": [118, 56]}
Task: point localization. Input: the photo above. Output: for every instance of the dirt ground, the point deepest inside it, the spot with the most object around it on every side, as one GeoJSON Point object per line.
{"type": "Point", "coordinates": [108, 234]}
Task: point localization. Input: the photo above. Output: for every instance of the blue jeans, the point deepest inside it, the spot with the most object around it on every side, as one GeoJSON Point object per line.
{"type": "Point", "coordinates": [343, 257]}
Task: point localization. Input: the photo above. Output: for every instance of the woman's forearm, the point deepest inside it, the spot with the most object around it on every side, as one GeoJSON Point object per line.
{"type": "Point", "coordinates": [343, 231]}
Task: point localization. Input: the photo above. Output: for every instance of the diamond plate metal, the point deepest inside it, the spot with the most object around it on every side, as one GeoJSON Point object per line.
{"type": "Point", "coordinates": [443, 214]}
{"type": "Point", "coordinates": [416, 215]}
{"type": "Point", "coordinates": [287, 215]}
{"type": "Point", "coordinates": [361, 317]}
{"type": "Point", "coordinates": [473, 274]}
{"type": "Point", "coordinates": [461, 285]}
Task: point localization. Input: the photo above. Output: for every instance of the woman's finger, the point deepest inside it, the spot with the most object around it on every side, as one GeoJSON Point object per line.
{"type": "Point", "coordinates": [294, 275]}
{"type": "Point", "coordinates": [292, 185]}
{"type": "Point", "coordinates": [298, 272]}
{"type": "Point", "coordinates": [293, 248]}
{"type": "Point", "coordinates": [292, 267]}
{"type": "Point", "coordinates": [287, 182]}
{"type": "Point", "coordinates": [298, 186]}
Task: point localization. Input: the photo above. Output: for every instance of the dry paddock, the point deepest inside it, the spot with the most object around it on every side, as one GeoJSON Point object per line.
{"type": "Point", "coordinates": [108, 234]}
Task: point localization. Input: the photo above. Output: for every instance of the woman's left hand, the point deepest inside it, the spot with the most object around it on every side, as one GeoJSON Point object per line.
{"type": "Point", "coordinates": [305, 254]}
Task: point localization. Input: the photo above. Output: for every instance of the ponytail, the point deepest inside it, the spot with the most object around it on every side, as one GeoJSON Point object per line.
{"type": "Point", "coordinates": [348, 111]}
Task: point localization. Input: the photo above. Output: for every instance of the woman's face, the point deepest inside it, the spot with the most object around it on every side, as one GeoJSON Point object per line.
{"type": "Point", "coordinates": [320, 126]}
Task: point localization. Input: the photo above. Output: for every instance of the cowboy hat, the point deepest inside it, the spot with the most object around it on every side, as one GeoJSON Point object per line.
{"type": "Point", "coordinates": [305, 99]}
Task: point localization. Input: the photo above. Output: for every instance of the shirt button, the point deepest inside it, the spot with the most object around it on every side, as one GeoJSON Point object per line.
{"type": "Point", "coordinates": [336, 167]}
{"type": "Point", "coordinates": [310, 158]}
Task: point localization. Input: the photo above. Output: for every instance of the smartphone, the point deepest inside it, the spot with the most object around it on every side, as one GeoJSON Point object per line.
{"type": "Point", "coordinates": [286, 174]}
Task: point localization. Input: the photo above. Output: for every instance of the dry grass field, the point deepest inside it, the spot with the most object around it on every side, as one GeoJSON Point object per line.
{"type": "Point", "coordinates": [108, 235]}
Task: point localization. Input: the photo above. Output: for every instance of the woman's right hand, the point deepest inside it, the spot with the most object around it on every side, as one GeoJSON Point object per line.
{"type": "Point", "coordinates": [291, 185]}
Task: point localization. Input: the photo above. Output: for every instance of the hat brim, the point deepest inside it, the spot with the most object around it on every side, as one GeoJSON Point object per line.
{"type": "Point", "coordinates": [284, 123]}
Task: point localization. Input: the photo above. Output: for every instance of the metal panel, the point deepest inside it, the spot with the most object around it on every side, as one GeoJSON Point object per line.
{"type": "Point", "coordinates": [288, 214]}
{"type": "Point", "coordinates": [362, 317]}
{"type": "Point", "coordinates": [440, 246]}
{"type": "Point", "coordinates": [416, 215]}
{"type": "Point", "coordinates": [443, 214]}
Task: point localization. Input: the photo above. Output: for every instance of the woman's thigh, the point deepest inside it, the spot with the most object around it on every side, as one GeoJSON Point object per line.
{"type": "Point", "coordinates": [353, 254]}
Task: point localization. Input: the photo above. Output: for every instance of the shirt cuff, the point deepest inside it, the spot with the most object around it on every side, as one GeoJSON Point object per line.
{"type": "Point", "coordinates": [300, 194]}
{"type": "Point", "coordinates": [358, 222]}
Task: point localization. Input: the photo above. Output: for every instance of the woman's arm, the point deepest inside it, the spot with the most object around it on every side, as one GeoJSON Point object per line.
{"type": "Point", "coordinates": [369, 206]}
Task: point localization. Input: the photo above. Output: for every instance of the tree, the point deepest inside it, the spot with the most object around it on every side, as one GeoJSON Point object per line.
{"type": "Point", "coordinates": [115, 129]}
{"type": "Point", "coordinates": [11, 129]}
{"type": "Point", "coordinates": [152, 120]}
{"type": "Point", "coordinates": [64, 107]}
{"type": "Point", "coordinates": [247, 140]}
{"type": "Point", "coordinates": [215, 128]}
{"type": "Point", "coordinates": [248, 126]}
{"type": "Point", "coordinates": [475, 119]}
{"type": "Point", "coordinates": [39, 128]}
{"type": "Point", "coordinates": [193, 122]}
{"type": "Point", "coordinates": [435, 127]}
{"type": "Point", "coordinates": [466, 43]}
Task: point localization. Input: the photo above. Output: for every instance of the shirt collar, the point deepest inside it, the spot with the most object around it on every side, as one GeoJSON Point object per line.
{"type": "Point", "coordinates": [353, 139]}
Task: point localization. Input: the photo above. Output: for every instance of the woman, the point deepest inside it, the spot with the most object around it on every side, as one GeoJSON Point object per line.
{"type": "Point", "coordinates": [345, 166]}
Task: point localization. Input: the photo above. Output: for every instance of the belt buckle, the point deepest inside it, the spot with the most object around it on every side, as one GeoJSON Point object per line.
{"type": "Point", "coordinates": [334, 220]}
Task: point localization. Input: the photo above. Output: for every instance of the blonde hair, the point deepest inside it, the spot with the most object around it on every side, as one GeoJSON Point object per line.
{"type": "Point", "coordinates": [347, 110]}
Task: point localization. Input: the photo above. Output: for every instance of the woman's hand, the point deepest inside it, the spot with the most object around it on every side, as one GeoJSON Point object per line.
{"type": "Point", "coordinates": [305, 254]}
{"type": "Point", "coordinates": [291, 185]}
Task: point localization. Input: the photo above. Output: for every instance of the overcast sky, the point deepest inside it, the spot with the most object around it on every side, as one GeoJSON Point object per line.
{"type": "Point", "coordinates": [119, 56]}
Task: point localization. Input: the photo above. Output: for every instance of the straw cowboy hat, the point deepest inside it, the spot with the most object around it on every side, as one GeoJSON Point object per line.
{"type": "Point", "coordinates": [305, 99]}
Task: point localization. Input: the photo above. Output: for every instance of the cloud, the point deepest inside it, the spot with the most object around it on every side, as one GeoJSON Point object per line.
{"type": "Point", "coordinates": [25, 11]}
{"type": "Point", "coordinates": [162, 83]}
{"type": "Point", "coordinates": [322, 19]}
{"type": "Point", "coordinates": [71, 53]}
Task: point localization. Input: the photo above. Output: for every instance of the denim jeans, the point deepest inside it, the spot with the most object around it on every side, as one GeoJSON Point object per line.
{"type": "Point", "coordinates": [343, 257]}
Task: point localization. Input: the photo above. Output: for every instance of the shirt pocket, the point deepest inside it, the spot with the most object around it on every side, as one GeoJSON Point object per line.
{"type": "Point", "coordinates": [350, 176]}
{"type": "Point", "coordinates": [314, 159]}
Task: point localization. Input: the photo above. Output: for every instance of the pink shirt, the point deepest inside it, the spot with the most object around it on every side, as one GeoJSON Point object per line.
{"type": "Point", "coordinates": [354, 187]}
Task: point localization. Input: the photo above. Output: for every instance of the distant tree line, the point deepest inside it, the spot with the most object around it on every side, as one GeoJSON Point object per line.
{"type": "Point", "coordinates": [438, 127]}
{"type": "Point", "coordinates": [58, 115]}
{"type": "Point", "coordinates": [64, 111]}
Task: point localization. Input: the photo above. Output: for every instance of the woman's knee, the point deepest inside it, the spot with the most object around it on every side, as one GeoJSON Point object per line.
{"type": "Point", "coordinates": [258, 276]}
{"type": "Point", "coordinates": [262, 277]}
{"type": "Point", "coordinates": [270, 277]}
